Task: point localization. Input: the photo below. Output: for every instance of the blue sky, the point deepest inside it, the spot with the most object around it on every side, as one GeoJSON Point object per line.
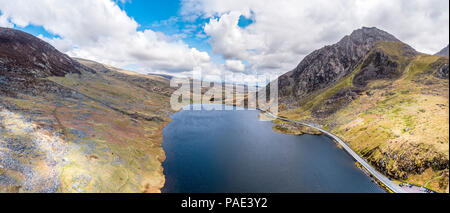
{"type": "Point", "coordinates": [162, 16]}
{"type": "Point", "coordinates": [180, 36]}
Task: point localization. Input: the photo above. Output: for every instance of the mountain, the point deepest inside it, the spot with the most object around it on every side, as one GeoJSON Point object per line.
{"type": "Point", "coordinates": [163, 75]}
{"type": "Point", "coordinates": [386, 100]}
{"type": "Point", "coordinates": [74, 125]}
{"type": "Point", "coordinates": [443, 52]}
{"type": "Point", "coordinates": [27, 56]}
{"type": "Point", "coordinates": [325, 66]}
{"type": "Point", "coordinates": [25, 60]}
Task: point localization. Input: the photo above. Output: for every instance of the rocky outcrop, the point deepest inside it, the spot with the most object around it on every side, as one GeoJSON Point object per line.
{"type": "Point", "coordinates": [341, 99]}
{"type": "Point", "coordinates": [439, 68]}
{"type": "Point", "coordinates": [327, 65]}
{"type": "Point", "coordinates": [377, 66]}
{"type": "Point", "coordinates": [411, 159]}
{"type": "Point", "coordinates": [442, 72]}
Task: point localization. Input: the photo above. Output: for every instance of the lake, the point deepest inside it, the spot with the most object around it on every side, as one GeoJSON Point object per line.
{"type": "Point", "coordinates": [235, 152]}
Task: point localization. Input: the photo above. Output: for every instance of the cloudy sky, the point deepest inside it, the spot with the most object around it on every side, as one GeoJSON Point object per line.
{"type": "Point", "coordinates": [220, 37]}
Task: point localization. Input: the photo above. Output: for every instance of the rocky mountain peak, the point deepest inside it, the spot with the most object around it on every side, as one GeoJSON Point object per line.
{"type": "Point", "coordinates": [325, 66]}
{"type": "Point", "coordinates": [24, 55]}
{"type": "Point", "coordinates": [371, 34]}
{"type": "Point", "coordinates": [366, 37]}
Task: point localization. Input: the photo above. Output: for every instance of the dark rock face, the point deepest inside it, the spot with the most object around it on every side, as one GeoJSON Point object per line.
{"type": "Point", "coordinates": [443, 52]}
{"type": "Point", "coordinates": [438, 69]}
{"type": "Point", "coordinates": [25, 60]}
{"type": "Point", "coordinates": [377, 66]}
{"type": "Point", "coordinates": [442, 72]}
{"type": "Point", "coordinates": [327, 65]}
{"type": "Point", "coordinates": [335, 102]}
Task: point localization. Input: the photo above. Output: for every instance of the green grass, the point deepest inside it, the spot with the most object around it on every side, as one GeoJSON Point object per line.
{"type": "Point", "coordinates": [110, 135]}
{"type": "Point", "coordinates": [420, 65]}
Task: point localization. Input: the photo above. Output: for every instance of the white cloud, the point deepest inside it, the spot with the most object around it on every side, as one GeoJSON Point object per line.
{"type": "Point", "coordinates": [83, 21]}
{"type": "Point", "coordinates": [235, 65]}
{"type": "Point", "coordinates": [284, 31]}
{"type": "Point", "coordinates": [227, 38]}
{"type": "Point", "coordinates": [99, 30]}
{"type": "Point", "coordinates": [4, 21]}
{"type": "Point", "coordinates": [62, 45]}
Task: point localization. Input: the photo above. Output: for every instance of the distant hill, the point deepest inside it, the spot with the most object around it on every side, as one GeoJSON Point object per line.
{"type": "Point", "coordinates": [443, 52]}
{"type": "Point", "coordinates": [162, 75]}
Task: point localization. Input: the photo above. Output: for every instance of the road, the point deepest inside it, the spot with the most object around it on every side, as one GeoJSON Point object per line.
{"type": "Point", "coordinates": [383, 179]}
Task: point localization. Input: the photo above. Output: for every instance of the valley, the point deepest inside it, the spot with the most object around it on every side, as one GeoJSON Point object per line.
{"type": "Point", "coordinates": [75, 125]}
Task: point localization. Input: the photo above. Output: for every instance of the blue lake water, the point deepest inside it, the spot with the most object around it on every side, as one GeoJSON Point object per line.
{"type": "Point", "coordinates": [235, 152]}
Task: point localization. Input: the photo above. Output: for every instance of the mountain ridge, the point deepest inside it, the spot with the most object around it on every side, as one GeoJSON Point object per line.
{"type": "Point", "coordinates": [330, 63]}
{"type": "Point", "coordinates": [26, 61]}
{"type": "Point", "coordinates": [391, 102]}
{"type": "Point", "coordinates": [20, 50]}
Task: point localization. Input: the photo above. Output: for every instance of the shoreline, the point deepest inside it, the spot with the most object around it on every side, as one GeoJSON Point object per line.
{"type": "Point", "coordinates": [212, 119]}
{"type": "Point", "coordinates": [380, 179]}
{"type": "Point", "coordinates": [377, 175]}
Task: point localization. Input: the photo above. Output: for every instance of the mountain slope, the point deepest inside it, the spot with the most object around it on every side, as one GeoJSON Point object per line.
{"type": "Point", "coordinates": [391, 108]}
{"type": "Point", "coordinates": [325, 66]}
{"type": "Point", "coordinates": [25, 55]}
{"type": "Point", "coordinates": [443, 52]}
{"type": "Point", "coordinates": [69, 127]}
{"type": "Point", "coordinates": [26, 60]}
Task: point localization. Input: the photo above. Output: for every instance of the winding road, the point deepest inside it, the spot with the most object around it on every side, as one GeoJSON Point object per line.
{"type": "Point", "coordinates": [383, 179]}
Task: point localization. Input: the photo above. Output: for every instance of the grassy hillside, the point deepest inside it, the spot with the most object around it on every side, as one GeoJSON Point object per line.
{"type": "Point", "coordinates": [105, 137]}
{"type": "Point", "coordinates": [399, 121]}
